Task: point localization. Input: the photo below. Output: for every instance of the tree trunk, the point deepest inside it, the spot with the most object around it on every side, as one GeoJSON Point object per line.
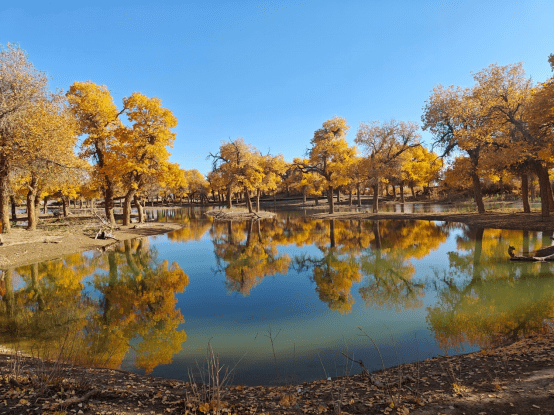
{"type": "Point", "coordinates": [332, 233]}
{"type": "Point", "coordinates": [14, 208]}
{"type": "Point", "coordinates": [330, 199]}
{"type": "Point", "coordinates": [31, 214]}
{"type": "Point", "coordinates": [477, 193]}
{"type": "Point", "coordinates": [338, 196]}
{"type": "Point", "coordinates": [248, 201]}
{"type": "Point", "coordinates": [65, 201]}
{"type": "Point", "coordinates": [525, 192]}
{"type": "Point", "coordinates": [377, 234]}
{"type": "Point", "coordinates": [544, 184]}
{"type": "Point", "coordinates": [550, 196]}
{"type": "Point", "coordinates": [4, 198]}
{"type": "Point", "coordinates": [229, 198]}
{"type": "Point", "coordinates": [303, 195]}
{"type": "Point", "coordinates": [8, 296]}
{"type": "Point", "coordinates": [394, 191]}
{"type": "Point", "coordinates": [350, 198]}
{"type": "Point", "coordinates": [258, 200]}
{"type": "Point", "coordinates": [376, 197]}
{"type": "Point", "coordinates": [525, 242]}
{"type": "Point", "coordinates": [402, 193]}
{"type": "Point", "coordinates": [127, 206]}
{"type": "Point", "coordinates": [32, 200]}
{"type": "Point", "coordinates": [35, 285]}
{"type": "Point", "coordinates": [359, 196]}
{"type": "Point", "coordinates": [413, 192]}
{"type": "Point", "coordinates": [109, 203]}
{"type": "Point", "coordinates": [477, 275]}
{"type": "Point", "coordinates": [37, 205]}
{"type": "Point", "coordinates": [140, 211]}
{"type": "Point", "coordinates": [316, 199]}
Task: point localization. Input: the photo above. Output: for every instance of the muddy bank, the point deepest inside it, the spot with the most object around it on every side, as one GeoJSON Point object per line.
{"type": "Point", "coordinates": [75, 234]}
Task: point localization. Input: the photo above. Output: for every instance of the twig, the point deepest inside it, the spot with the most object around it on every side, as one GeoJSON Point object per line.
{"type": "Point", "coordinates": [272, 339]}
{"type": "Point", "coordinates": [75, 400]}
{"type": "Point", "coordinates": [322, 365]}
{"type": "Point", "coordinates": [372, 378]}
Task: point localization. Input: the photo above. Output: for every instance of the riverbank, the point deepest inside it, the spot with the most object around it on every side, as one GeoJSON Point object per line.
{"type": "Point", "coordinates": [238, 214]}
{"type": "Point", "coordinates": [508, 219]}
{"type": "Point", "coordinates": [56, 238]}
{"type": "Point", "coordinates": [513, 379]}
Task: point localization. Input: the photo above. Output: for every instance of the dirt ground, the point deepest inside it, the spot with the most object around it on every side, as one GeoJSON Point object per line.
{"type": "Point", "coordinates": [512, 220]}
{"type": "Point", "coordinates": [514, 379]}
{"type": "Point", "coordinates": [55, 238]}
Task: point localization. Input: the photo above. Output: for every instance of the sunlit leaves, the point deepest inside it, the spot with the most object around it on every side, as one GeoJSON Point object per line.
{"type": "Point", "coordinates": [383, 144]}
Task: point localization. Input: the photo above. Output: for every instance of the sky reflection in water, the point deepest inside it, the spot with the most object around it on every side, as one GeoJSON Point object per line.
{"type": "Point", "coordinates": [417, 288]}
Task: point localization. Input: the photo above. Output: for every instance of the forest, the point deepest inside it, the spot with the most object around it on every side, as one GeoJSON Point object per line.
{"type": "Point", "coordinates": [79, 145]}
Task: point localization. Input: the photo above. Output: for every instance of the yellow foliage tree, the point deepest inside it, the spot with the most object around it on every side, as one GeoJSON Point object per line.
{"type": "Point", "coordinates": [240, 167]}
{"type": "Point", "coordinates": [419, 167]}
{"type": "Point", "coordinates": [383, 144]}
{"type": "Point", "coordinates": [330, 156]}
{"type": "Point", "coordinates": [142, 147]}
{"type": "Point", "coordinates": [98, 119]}
{"type": "Point", "coordinates": [34, 127]}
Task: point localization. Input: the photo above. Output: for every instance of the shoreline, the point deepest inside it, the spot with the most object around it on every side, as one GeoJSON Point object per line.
{"type": "Point", "coordinates": [513, 379]}
{"type": "Point", "coordinates": [490, 380]}
{"type": "Point", "coordinates": [515, 220]}
{"type": "Point", "coordinates": [75, 234]}
{"type": "Point", "coordinates": [55, 240]}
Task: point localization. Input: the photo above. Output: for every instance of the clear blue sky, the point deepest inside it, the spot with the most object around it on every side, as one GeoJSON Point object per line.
{"type": "Point", "coordinates": [274, 71]}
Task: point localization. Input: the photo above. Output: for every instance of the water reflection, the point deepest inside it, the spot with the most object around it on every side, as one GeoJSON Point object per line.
{"type": "Point", "coordinates": [247, 252]}
{"type": "Point", "coordinates": [485, 300]}
{"type": "Point", "coordinates": [127, 301]}
{"type": "Point", "coordinates": [452, 281]}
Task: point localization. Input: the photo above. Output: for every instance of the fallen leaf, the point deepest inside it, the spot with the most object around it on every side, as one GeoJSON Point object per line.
{"type": "Point", "coordinates": [204, 407]}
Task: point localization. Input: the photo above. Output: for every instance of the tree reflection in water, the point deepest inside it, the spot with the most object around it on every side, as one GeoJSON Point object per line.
{"type": "Point", "coordinates": [246, 253]}
{"type": "Point", "coordinates": [130, 304]}
{"type": "Point", "coordinates": [124, 300]}
{"type": "Point", "coordinates": [486, 300]}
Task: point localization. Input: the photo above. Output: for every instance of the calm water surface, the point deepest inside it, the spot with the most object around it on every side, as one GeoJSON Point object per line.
{"type": "Point", "coordinates": [416, 288]}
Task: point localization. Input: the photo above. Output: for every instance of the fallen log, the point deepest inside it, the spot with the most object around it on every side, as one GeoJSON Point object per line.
{"type": "Point", "coordinates": [513, 257]}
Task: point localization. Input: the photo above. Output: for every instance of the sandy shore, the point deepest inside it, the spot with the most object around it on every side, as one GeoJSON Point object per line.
{"type": "Point", "coordinates": [73, 235]}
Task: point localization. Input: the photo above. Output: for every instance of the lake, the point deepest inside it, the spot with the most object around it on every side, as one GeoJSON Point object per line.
{"type": "Point", "coordinates": [280, 300]}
